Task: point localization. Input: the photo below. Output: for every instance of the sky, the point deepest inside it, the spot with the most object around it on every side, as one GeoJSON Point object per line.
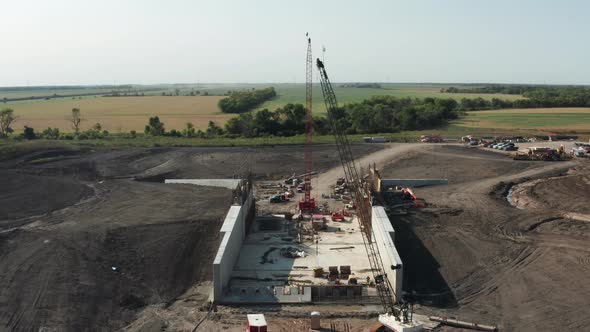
{"type": "Point", "coordinates": [78, 42]}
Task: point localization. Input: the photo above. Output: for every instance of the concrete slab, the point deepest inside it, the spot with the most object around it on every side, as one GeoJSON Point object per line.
{"type": "Point", "coordinates": [263, 266]}
{"type": "Point", "coordinates": [261, 263]}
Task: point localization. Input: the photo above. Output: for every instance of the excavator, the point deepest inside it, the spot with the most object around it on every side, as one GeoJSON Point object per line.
{"type": "Point", "coordinates": [394, 318]}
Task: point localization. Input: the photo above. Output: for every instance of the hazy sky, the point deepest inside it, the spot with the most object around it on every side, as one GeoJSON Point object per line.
{"type": "Point", "coordinates": [184, 41]}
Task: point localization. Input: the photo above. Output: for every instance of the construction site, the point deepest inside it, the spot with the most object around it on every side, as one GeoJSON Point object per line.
{"type": "Point", "coordinates": [335, 237]}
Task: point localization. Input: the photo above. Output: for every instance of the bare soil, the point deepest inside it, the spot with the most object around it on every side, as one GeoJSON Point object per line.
{"type": "Point", "coordinates": [472, 255]}
{"type": "Point", "coordinates": [469, 253]}
{"type": "Point", "coordinates": [91, 239]}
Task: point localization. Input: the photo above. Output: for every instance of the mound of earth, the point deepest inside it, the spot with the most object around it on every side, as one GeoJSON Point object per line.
{"type": "Point", "coordinates": [458, 164]}
{"type": "Point", "coordinates": [23, 195]}
{"type": "Point", "coordinates": [570, 193]}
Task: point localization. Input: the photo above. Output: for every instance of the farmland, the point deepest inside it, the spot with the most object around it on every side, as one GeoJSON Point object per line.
{"type": "Point", "coordinates": [120, 114]}
{"type": "Point", "coordinates": [33, 92]}
{"type": "Point", "coordinates": [131, 113]}
{"type": "Point", "coordinates": [295, 93]}
{"type": "Point", "coordinates": [559, 119]}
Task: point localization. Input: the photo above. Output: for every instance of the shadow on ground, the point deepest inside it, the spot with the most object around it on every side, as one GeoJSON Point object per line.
{"type": "Point", "coordinates": [423, 282]}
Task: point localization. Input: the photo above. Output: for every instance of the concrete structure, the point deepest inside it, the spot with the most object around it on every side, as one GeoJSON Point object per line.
{"type": "Point", "coordinates": [412, 183]}
{"type": "Point", "coordinates": [223, 183]}
{"type": "Point", "coordinates": [261, 263]}
{"type": "Point", "coordinates": [233, 233]}
{"type": "Point", "coordinates": [381, 185]}
{"type": "Point", "coordinates": [249, 294]}
{"type": "Point", "coordinates": [385, 239]}
{"type": "Point", "coordinates": [262, 269]}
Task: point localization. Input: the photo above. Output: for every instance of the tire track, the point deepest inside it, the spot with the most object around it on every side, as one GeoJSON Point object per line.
{"type": "Point", "coordinates": [475, 289]}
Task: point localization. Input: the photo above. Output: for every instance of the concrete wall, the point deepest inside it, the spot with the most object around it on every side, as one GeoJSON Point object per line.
{"type": "Point", "coordinates": [385, 239]}
{"type": "Point", "coordinates": [223, 183]}
{"type": "Point", "coordinates": [267, 294]}
{"type": "Point", "coordinates": [233, 232]}
{"type": "Point", "coordinates": [412, 183]}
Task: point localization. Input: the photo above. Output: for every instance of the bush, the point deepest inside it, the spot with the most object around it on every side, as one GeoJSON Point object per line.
{"type": "Point", "coordinates": [50, 133]}
{"type": "Point", "coordinates": [29, 133]}
{"type": "Point", "coordinates": [155, 127]}
{"type": "Point", "coordinates": [174, 133]}
{"type": "Point", "coordinates": [65, 136]}
{"type": "Point", "coordinates": [189, 131]}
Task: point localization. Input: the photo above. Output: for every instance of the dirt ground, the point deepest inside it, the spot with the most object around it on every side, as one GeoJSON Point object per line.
{"type": "Point", "coordinates": [472, 255]}
{"type": "Point", "coordinates": [90, 238]}
{"type": "Point", "coordinates": [68, 217]}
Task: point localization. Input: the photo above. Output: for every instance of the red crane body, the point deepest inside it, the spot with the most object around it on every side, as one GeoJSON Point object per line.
{"type": "Point", "coordinates": [308, 203]}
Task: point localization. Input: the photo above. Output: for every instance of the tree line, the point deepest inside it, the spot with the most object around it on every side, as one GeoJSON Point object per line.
{"type": "Point", "coordinates": [244, 101]}
{"type": "Point", "coordinates": [361, 85]}
{"type": "Point", "coordinates": [154, 127]}
{"type": "Point", "coordinates": [535, 97]}
{"type": "Point", "coordinates": [508, 89]}
{"type": "Point", "coordinates": [379, 114]}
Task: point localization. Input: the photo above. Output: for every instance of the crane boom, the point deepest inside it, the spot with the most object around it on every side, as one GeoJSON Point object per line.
{"type": "Point", "coordinates": [360, 194]}
{"type": "Point", "coordinates": [308, 203]}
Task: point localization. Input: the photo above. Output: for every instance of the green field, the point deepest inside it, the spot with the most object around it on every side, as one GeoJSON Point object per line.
{"type": "Point", "coordinates": [295, 93]}
{"type": "Point", "coordinates": [556, 119]}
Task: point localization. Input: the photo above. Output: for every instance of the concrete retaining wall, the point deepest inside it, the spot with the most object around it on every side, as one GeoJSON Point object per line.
{"type": "Point", "coordinates": [233, 232]}
{"type": "Point", "coordinates": [385, 238]}
{"type": "Point", "coordinates": [223, 183]}
{"type": "Point", "coordinates": [412, 183]}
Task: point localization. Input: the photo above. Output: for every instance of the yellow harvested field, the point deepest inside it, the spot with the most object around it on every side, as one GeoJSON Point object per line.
{"type": "Point", "coordinates": [120, 114]}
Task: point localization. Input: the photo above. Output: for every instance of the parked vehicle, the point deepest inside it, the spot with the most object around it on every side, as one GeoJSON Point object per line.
{"type": "Point", "coordinates": [431, 139]}
{"type": "Point", "coordinates": [507, 146]}
{"type": "Point", "coordinates": [278, 199]}
{"type": "Point", "coordinates": [374, 139]}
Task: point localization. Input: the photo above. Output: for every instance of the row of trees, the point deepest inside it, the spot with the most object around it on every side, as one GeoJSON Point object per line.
{"type": "Point", "coordinates": [244, 101]}
{"type": "Point", "coordinates": [381, 114]}
{"type": "Point", "coordinates": [155, 127]}
{"type": "Point", "coordinates": [508, 89]}
{"type": "Point", "coordinates": [385, 114]}
{"type": "Point", "coordinates": [361, 85]}
{"type": "Point", "coordinates": [536, 97]}
{"type": "Point", "coordinates": [96, 132]}
{"type": "Point", "coordinates": [7, 118]}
